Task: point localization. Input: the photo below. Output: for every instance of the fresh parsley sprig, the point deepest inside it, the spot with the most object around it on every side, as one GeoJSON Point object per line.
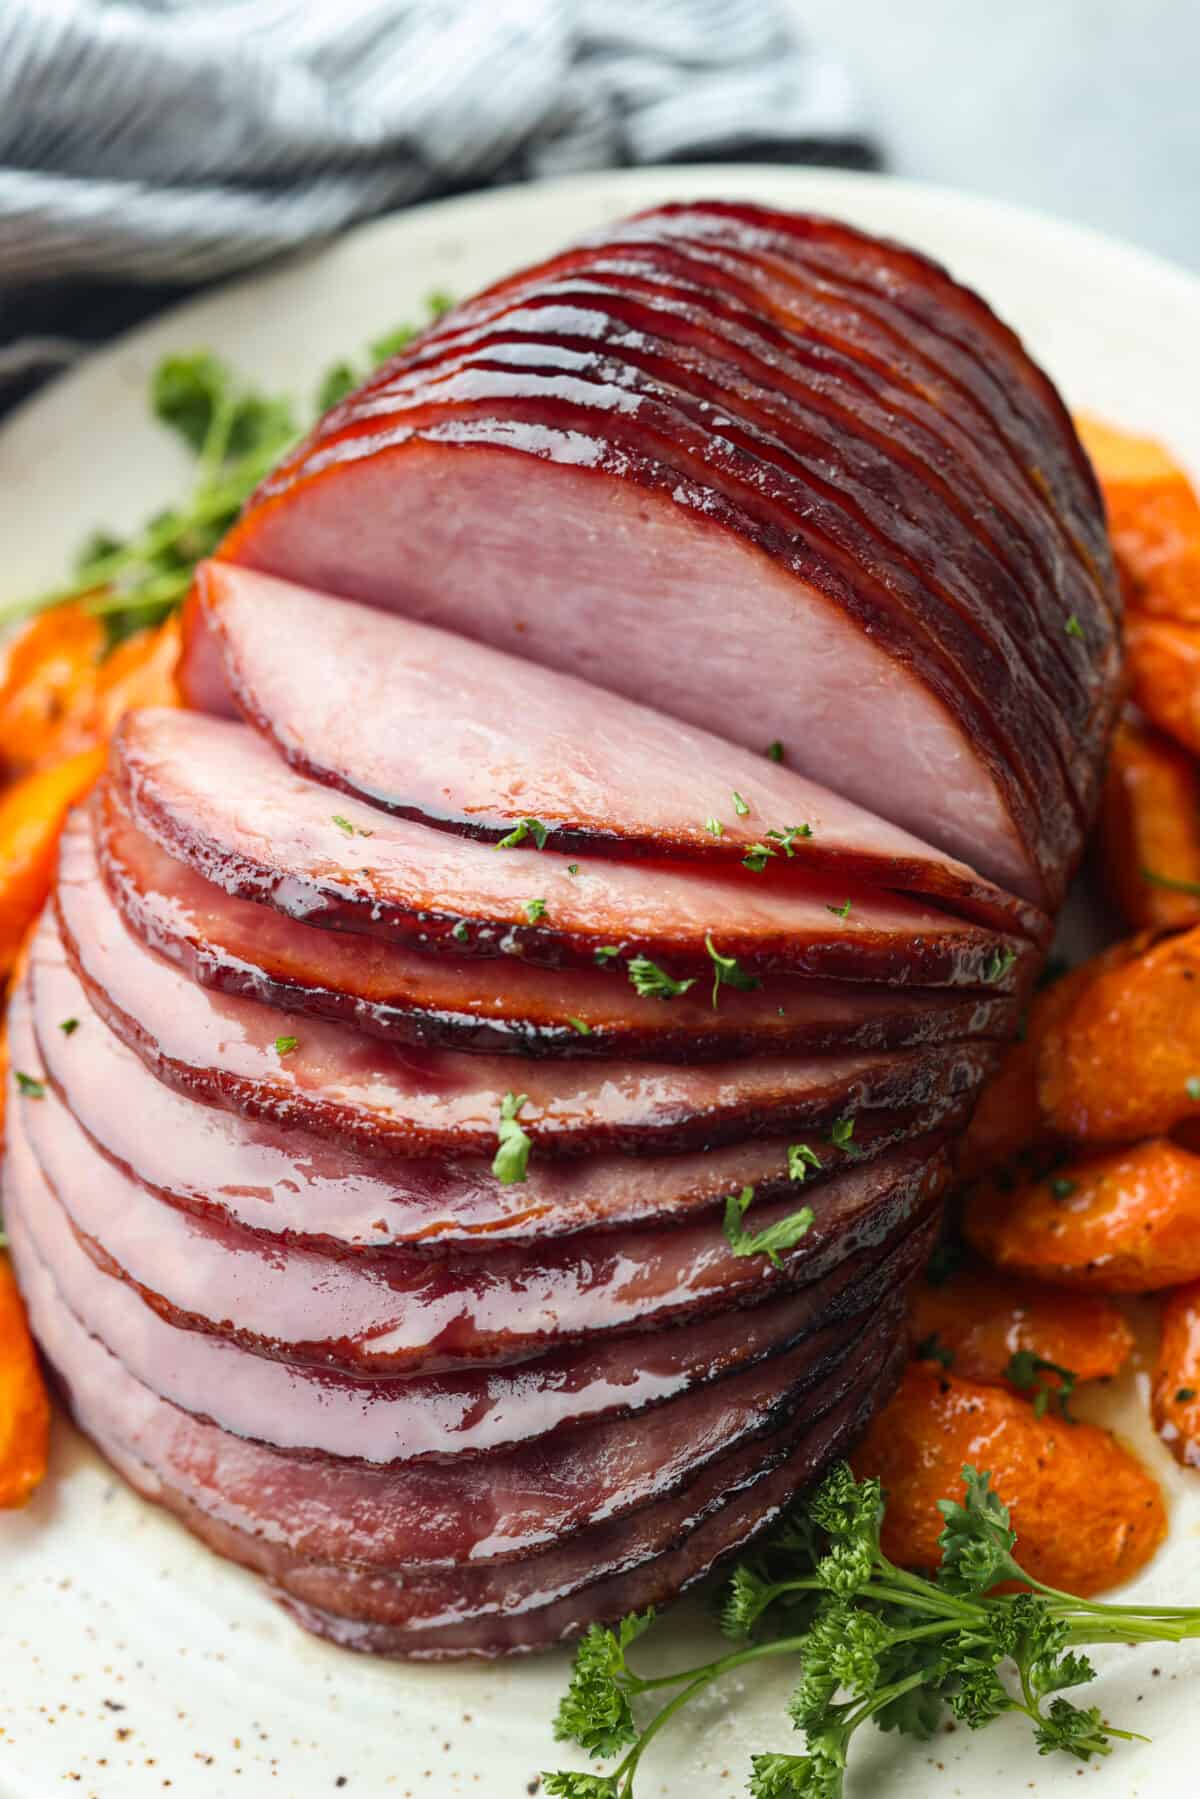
{"type": "Point", "coordinates": [874, 1644]}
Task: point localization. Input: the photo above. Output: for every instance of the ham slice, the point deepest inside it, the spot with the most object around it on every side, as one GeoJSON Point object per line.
{"type": "Point", "coordinates": [383, 1099]}
{"type": "Point", "coordinates": [894, 519]}
{"type": "Point", "coordinates": [213, 794]}
{"type": "Point", "coordinates": [235, 946]}
{"type": "Point", "coordinates": [490, 1511]}
{"type": "Point", "coordinates": [605, 777]}
{"type": "Point", "coordinates": [300, 1189]}
{"type": "Point", "coordinates": [379, 1420]}
{"type": "Point", "coordinates": [367, 1314]}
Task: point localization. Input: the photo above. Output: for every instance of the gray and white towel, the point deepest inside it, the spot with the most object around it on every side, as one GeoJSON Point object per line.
{"type": "Point", "coordinates": [166, 142]}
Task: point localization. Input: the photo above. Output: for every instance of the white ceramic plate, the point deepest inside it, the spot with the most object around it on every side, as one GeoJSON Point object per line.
{"type": "Point", "coordinates": [133, 1662]}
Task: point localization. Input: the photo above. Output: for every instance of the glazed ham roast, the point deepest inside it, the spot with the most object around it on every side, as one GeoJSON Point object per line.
{"type": "Point", "coordinates": [502, 1047]}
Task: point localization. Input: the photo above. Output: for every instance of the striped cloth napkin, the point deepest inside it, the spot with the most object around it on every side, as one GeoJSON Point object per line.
{"type": "Point", "coordinates": [156, 144]}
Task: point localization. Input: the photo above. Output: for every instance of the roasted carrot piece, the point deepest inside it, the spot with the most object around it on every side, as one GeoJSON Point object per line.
{"type": "Point", "coordinates": [1086, 1513]}
{"type": "Point", "coordinates": [980, 1320]}
{"type": "Point", "coordinates": [31, 817]}
{"type": "Point", "coordinates": [1123, 1061]}
{"type": "Point", "coordinates": [139, 672]}
{"type": "Point", "coordinates": [1009, 1116]}
{"type": "Point", "coordinates": [24, 1404]}
{"type": "Point", "coordinates": [49, 681]}
{"type": "Point", "coordinates": [1175, 1395]}
{"type": "Point", "coordinates": [1163, 661]}
{"type": "Point", "coordinates": [1153, 519]}
{"type": "Point", "coordinates": [1150, 828]}
{"type": "Point", "coordinates": [1124, 1222]}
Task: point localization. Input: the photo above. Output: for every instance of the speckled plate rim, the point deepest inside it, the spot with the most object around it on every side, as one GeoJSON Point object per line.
{"type": "Point", "coordinates": [131, 1661]}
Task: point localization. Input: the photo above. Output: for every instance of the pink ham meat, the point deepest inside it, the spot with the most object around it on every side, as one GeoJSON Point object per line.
{"type": "Point", "coordinates": [604, 776]}
{"type": "Point", "coordinates": [905, 572]}
{"type": "Point", "coordinates": [378, 1098]}
{"type": "Point", "coordinates": [492, 1510]}
{"type": "Point", "coordinates": [235, 946]}
{"type": "Point", "coordinates": [303, 1190]}
{"type": "Point", "coordinates": [368, 1314]}
{"type": "Point", "coordinates": [383, 1419]}
{"type": "Point", "coordinates": [213, 794]}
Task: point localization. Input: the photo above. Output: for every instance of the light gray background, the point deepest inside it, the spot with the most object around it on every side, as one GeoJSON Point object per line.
{"type": "Point", "coordinates": [1089, 109]}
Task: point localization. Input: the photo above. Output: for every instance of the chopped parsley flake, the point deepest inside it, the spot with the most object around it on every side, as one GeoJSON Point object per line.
{"type": "Point", "coordinates": [842, 1135]}
{"type": "Point", "coordinates": [510, 1165]}
{"type": "Point", "coordinates": [787, 837]}
{"type": "Point", "coordinates": [999, 964]}
{"type": "Point", "coordinates": [606, 952]}
{"type": "Point", "coordinates": [69, 1026]}
{"type": "Point", "coordinates": [932, 1349]}
{"type": "Point", "coordinates": [580, 1025]}
{"type": "Point", "coordinates": [30, 1086]}
{"type": "Point", "coordinates": [842, 911]}
{"type": "Point", "coordinates": [653, 982]}
{"type": "Point", "coordinates": [1062, 1188]}
{"type": "Point", "coordinates": [535, 909]}
{"type": "Point", "coordinates": [726, 973]}
{"type": "Point", "coordinates": [1184, 1395]}
{"type": "Point", "coordinates": [1192, 1086]}
{"type": "Point", "coordinates": [757, 857]}
{"type": "Point", "coordinates": [740, 806]}
{"type": "Point", "coordinates": [525, 827]}
{"type": "Point", "coordinates": [350, 830]}
{"type": "Point", "coordinates": [1073, 627]}
{"type": "Point", "coordinates": [783, 1234]}
{"type": "Point", "coordinates": [714, 827]}
{"type": "Point", "coordinates": [460, 933]}
{"type": "Point", "coordinates": [285, 1045]}
{"type": "Point", "coordinates": [800, 1159]}
{"type": "Point", "coordinates": [1024, 1369]}
{"type": "Point", "coordinates": [572, 868]}
{"type": "Point", "coordinates": [775, 751]}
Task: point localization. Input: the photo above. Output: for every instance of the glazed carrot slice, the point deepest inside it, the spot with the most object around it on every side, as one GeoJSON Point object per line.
{"type": "Point", "coordinates": [1086, 1512]}
{"type": "Point", "coordinates": [48, 686]}
{"type": "Point", "coordinates": [1175, 1395]}
{"type": "Point", "coordinates": [1124, 1222]}
{"type": "Point", "coordinates": [1153, 518]}
{"type": "Point", "coordinates": [1150, 828]}
{"type": "Point", "coordinates": [1163, 660]}
{"type": "Point", "coordinates": [31, 816]}
{"type": "Point", "coordinates": [1123, 1059]}
{"type": "Point", "coordinates": [979, 1320]}
{"type": "Point", "coordinates": [24, 1404]}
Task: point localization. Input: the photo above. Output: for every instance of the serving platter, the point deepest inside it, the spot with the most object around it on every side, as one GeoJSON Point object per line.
{"type": "Point", "coordinates": [132, 1661]}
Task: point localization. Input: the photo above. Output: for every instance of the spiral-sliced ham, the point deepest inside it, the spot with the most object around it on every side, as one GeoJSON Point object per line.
{"type": "Point", "coordinates": [384, 1099]}
{"type": "Point", "coordinates": [235, 946]}
{"type": "Point", "coordinates": [212, 793]}
{"type": "Point", "coordinates": [889, 593]}
{"type": "Point", "coordinates": [605, 777]}
{"type": "Point", "coordinates": [484, 1100]}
